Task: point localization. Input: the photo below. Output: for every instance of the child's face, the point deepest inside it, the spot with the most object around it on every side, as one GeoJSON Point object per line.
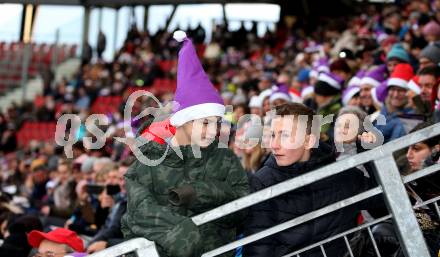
{"type": "Point", "coordinates": [346, 128]}
{"type": "Point", "coordinates": [202, 132]}
{"type": "Point", "coordinates": [417, 154]}
{"type": "Point", "coordinates": [289, 142]}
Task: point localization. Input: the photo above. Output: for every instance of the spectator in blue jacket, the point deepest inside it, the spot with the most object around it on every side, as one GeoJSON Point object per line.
{"type": "Point", "coordinates": [395, 108]}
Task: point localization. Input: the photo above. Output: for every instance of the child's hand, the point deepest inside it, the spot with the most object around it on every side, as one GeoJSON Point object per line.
{"type": "Point", "coordinates": [367, 137]}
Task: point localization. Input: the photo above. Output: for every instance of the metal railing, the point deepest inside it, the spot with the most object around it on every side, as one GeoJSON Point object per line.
{"type": "Point", "coordinates": [391, 185]}
{"type": "Point", "coordinates": [140, 246]}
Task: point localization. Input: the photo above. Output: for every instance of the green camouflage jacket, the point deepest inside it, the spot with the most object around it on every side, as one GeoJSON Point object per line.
{"type": "Point", "coordinates": [162, 199]}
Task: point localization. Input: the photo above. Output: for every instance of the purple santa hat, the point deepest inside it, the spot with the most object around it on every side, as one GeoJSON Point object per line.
{"type": "Point", "coordinates": [321, 65]}
{"type": "Point", "coordinates": [195, 97]}
{"type": "Point", "coordinates": [380, 36]}
{"type": "Point", "coordinates": [379, 94]}
{"type": "Point", "coordinates": [328, 84]}
{"type": "Point", "coordinates": [280, 91]}
{"type": "Point", "coordinates": [349, 93]}
{"type": "Point", "coordinates": [312, 48]}
{"type": "Point", "coordinates": [356, 79]}
{"type": "Point", "coordinates": [374, 77]}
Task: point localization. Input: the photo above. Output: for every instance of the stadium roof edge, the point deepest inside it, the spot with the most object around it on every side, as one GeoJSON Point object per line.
{"type": "Point", "coordinates": [120, 3]}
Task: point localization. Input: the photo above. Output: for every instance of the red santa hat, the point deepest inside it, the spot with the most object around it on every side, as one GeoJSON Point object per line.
{"type": "Point", "coordinates": [414, 86]}
{"type": "Point", "coordinates": [401, 75]}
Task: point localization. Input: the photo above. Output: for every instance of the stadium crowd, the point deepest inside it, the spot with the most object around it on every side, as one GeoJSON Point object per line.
{"type": "Point", "coordinates": [382, 62]}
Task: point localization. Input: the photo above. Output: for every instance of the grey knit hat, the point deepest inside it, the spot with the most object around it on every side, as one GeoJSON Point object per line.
{"type": "Point", "coordinates": [432, 52]}
{"type": "Point", "coordinates": [356, 111]}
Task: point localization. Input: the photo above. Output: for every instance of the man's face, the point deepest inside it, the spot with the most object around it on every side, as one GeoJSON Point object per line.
{"type": "Point", "coordinates": [424, 62]}
{"type": "Point", "coordinates": [283, 135]}
{"type": "Point", "coordinates": [202, 132]}
{"type": "Point", "coordinates": [48, 248]}
{"type": "Point", "coordinates": [391, 64]}
{"type": "Point", "coordinates": [112, 178]}
{"type": "Point", "coordinates": [427, 83]}
{"type": "Point", "coordinates": [63, 173]}
{"type": "Point", "coordinates": [365, 96]}
{"type": "Point", "coordinates": [417, 154]}
{"type": "Point", "coordinates": [264, 84]}
{"type": "Point", "coordinates": [398, 97]}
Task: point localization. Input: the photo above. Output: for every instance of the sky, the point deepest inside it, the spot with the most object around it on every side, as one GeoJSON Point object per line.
{"type": "Point", "coordinates": [68, 20]}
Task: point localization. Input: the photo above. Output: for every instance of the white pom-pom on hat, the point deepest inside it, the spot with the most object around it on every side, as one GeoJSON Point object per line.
{"type": "Point", "coordinates": [179, 35]}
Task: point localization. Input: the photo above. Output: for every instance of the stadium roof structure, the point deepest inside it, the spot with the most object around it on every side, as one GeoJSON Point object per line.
{"type": "Point", "coordinates": [120, 3]}
{"type": "Point", "coordinates": [310, 11]}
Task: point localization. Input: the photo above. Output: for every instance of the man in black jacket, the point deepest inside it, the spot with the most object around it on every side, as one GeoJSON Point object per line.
{"type": "Point", "coordinates": [110, 234]}
{"type": "Point", "coordinates": [286, 162]}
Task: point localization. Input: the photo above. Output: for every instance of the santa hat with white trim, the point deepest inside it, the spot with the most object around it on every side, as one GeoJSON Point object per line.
{"type": "Point", "coordinates": [265, 94]}
{"type": "Point", "coordinates": [349, 93]}
{"type": "Point", "coordinates": [356, 79]}
{"type": "Point", "coordinates": [195, 96]}
{"type": "Point", "coordinates": [413, 85]}
{"type": "Point", "coordinates": [402, 74]}
{"type": "Point", "coordinates": [295, 95]}
{"type": "Point", "coordinates": [379, 94]}
{"type": "Point", "coordinates": [374, 77]}
{"type": "Point", "coordinates": [328, 84]}
{"type": "Point", "coordinates": [281, 91]}
{"type": "Point", "coordinates": [321, 65]}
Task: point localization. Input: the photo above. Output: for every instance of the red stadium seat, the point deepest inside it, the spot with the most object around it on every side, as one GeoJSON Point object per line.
{"type": "Point", "coordinates": [106, 104]}
{"type": "Point", "coordinates": [38, 131]}
{"type": "Point", "coordinates": [167, 65]}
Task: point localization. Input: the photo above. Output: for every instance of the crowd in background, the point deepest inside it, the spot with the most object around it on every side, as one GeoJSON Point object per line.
{"type": "Point", "coordinates": [384, 61]}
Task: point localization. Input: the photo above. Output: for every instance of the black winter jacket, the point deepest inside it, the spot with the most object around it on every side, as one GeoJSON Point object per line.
{"type": "Point", "coordinates": [301, 201]}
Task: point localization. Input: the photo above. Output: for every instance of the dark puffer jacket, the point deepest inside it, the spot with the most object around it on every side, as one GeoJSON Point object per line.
{"type": "Point", "coordinates": [301, 201]}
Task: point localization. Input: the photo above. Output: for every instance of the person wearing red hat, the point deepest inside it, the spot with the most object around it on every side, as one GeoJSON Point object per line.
{"type": "Point", "coordinates": [55, 243]}
{"type": "Point", "coordinates": [428, 82]}
{"type": "Point", "coordinates": [423, 91]}
{"type": "Point", "coordinates": [395, 105]}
